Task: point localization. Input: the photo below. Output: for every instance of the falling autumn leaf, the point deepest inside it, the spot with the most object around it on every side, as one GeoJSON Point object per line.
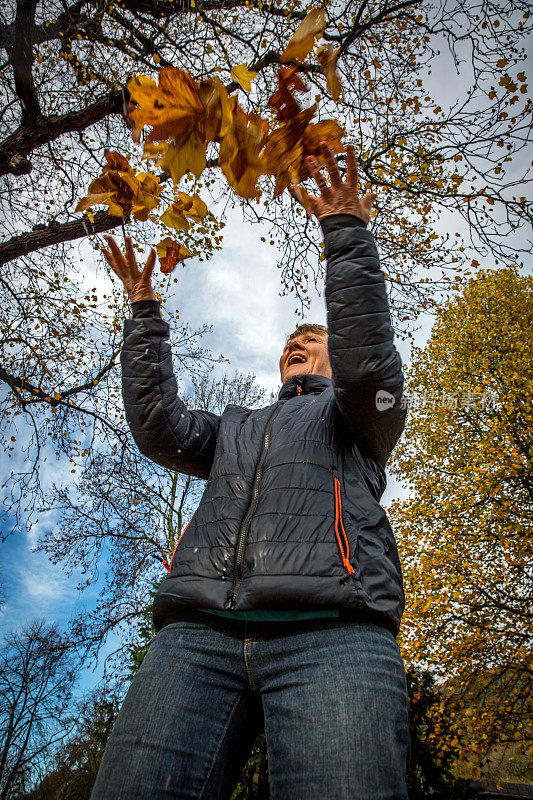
{"type": "Point", "coordinates": [171, 108]}
{"type": "Point", "coordinates": [184, 114]}
{"type": "Point", "coordinates": [303, 39]}
{"type": "Point", "coordinates": [186, 206]}
{"type": "Point", "coordinates": [283, 150]}
{"type": "Point", "coordinates": [283, 99]}
{"type": "Point", "coordinates": [170, 254]}
{"type": "Point", "coordinates": [122, 190]}
{"type": "Point", "coordinates": [296, 138]}
{"type": "Point", "coordinates": [243, 76]}
{"type": "Point", "coordinates": [185, 153]}
{"type": "Point", "coordinates": [174, 218]}
{"type": "Point", "coordinates": [328, 57]}
{"type": "Point", "coordinates": [193, 206]}
{"type": "Point", "coordinates": [217, 117]}
{"type": "Point", "coordinates": [239, 157]}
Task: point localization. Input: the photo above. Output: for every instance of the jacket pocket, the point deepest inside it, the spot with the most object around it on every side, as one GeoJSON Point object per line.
{"type": "Point", "coordinates": [165, 563]}
{"type": "Point", "coordinates": [340, 533]}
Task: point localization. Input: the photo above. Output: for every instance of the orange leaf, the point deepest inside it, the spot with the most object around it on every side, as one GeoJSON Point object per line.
{"type": "Point", "coordinates": [172, 108]}
{"type": "Point", "coordinates": [283, 99]}
{"type": "Point", "coordinates": [287, 147]}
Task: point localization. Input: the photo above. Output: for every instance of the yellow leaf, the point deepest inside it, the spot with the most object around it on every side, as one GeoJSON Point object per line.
{"type": "Point", "coordinates": [183, 154]}
{"type": "Point", "coordinates": [328, 57]}
{"type": "Point", "coordinates": [194, 206]}
{"type": "Point", "coordinates": [175, 219]}
{"type": "Point", "coordinates": [303, 39]}
{"type": "Point", "coordinates": [243, 76]}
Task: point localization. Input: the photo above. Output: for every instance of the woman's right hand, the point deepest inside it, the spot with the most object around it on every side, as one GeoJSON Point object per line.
{"type": "Point", "coordinates": [137, 283]}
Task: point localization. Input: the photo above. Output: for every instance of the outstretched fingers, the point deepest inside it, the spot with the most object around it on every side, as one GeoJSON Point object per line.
{"type": "Point", "coordinates": [320, 180]}
{"type": "Point", "coordinates": [331, 165]}
{"type": "Point", "coordinates": [149, 266]}
{"type": "Point", "coordinates": [115, 259]}
{"type": "Point", "coordinates": [130, 257]}
{"type": "Point", "coordinates": [352, 168]}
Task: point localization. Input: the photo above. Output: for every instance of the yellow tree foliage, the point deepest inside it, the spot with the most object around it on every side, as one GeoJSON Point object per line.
{"type": "Point", "coordinates": [465, 533]}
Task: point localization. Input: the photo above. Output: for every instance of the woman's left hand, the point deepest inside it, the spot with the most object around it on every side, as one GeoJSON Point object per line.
{"type": "Point", "coordinates": [342, 197]}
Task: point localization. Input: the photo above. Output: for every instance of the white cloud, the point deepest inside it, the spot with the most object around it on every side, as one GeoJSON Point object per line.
{"type": "Point", "coordinates": [33, 586]}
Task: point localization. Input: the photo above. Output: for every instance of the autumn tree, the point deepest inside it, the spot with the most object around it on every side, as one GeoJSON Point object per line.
{"type": "Point", "coordinates": [71, 771]}
{"type": "Point", "coordinates": [368, 67]}
{"type": "Point", "coordinates": [435, 746]}
{"type": "Point", "coordinates": [119, 525]}
{"type": "Point", "coordinates": [37, 674]}
{"type": "Point", "coordinates": [465, 530]}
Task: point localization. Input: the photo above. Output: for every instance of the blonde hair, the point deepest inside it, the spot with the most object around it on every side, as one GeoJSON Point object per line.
{"type": "Point", "coordinates": [306, 327]}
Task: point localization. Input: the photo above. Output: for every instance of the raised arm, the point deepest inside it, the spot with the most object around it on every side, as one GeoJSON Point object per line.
{"type": "Point", "coordinates": [163, 428]}
{"type": "Point", "coordinates": [366, 367]}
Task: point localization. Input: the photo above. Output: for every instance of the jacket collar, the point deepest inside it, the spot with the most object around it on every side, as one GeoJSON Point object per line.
{"type": "Point", "coordinates": [307, 384]}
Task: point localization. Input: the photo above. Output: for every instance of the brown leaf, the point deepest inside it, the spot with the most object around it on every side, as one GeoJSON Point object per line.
{"type": "Point", "coordinates": [170, 254]}
{"type": "Point", "coordinates": [283, 99]}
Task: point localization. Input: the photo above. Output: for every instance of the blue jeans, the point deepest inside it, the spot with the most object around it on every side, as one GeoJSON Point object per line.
{"type": "Point", "coordinates": [331, 694]}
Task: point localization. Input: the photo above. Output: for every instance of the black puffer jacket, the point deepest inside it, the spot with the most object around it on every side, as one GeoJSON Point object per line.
{"type": "Point", "coordinates": [290, 516]}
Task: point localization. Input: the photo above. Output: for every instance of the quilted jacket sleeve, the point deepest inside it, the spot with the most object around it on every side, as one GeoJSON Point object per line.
{"type": "Point", "coordinates": [367, 369]}
{"type": "Point", "coordinates": [163, 428]}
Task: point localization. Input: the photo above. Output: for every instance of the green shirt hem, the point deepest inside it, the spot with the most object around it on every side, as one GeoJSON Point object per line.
{"type": "Point", "coordinates": [271, 616]}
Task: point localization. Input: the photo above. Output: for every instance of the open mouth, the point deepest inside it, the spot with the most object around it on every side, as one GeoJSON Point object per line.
{"type": "Point", "coordinates": [296, 359]}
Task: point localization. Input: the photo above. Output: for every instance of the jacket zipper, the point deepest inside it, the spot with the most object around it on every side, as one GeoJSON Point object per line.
{"type": "Point", "coordinates": [338, 523]}
{"type": "Point", "coordinates": [165, 563]}
{"type": "Point", "coordinates": [233, 593]}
